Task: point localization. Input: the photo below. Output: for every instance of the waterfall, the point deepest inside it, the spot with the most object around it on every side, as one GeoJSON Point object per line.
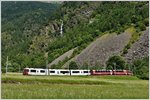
{"type": "Point", "coordinates": [61, 29]}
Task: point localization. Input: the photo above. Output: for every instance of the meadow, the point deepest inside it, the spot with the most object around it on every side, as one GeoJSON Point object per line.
{"type": "Point", "coordinates": [17, 86]}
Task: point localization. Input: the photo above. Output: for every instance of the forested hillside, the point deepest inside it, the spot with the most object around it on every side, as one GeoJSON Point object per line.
{"type": "Point", "coordinates": [23, 24]}
{"type": "Point", "coordinates": [30, 30]}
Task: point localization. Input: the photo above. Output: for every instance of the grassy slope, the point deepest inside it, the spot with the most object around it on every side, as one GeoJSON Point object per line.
{"type": "Point", "coordinates": [19, 86]}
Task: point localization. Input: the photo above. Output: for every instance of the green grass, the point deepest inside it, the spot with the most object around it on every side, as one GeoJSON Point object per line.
{"type": "Point", "coordinates": [17, 86]}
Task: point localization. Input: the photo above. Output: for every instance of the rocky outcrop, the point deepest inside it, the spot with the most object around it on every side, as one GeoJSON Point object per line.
{"type": "Point", "coordinates": [100, 50]}
{"type": "Point", "coordinates": [62, 57]}
{"type": "Point", "coordinates": [139, 49]}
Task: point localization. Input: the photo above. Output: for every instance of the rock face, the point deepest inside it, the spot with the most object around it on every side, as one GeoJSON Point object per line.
{"type": "Point", "coordinates": [62, 57]}
{"type": "Point", "coordinates": [100, 50]}
{"type": "Point", "coordinates": [139, 49]}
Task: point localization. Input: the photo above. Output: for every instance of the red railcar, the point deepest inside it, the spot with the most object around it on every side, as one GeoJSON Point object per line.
{"type": "Point", "coordinates": [111, 72]}
{"type": "Point", "coordinates": [129, 72]}
{"type": "Point", "coordinates": [101, 72]}
{"type": "Point", "coordinates": [120, 72]}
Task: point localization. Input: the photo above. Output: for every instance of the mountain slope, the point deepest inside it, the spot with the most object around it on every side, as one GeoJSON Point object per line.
{"type": "Point", "coordinates": [139, 49]}
{"type": "Point", "coordinates": [32, 29]}
{"type": "Point", "coordinates": [23, 25]}
{"type": "Point", "coordinates": [98, 52]}
{"type": "Point", "coordinates": [104, 47]}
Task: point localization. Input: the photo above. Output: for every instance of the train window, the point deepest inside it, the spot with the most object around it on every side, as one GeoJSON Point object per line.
{"type": "Point", "coordinates": [85, 71]}
{"type": "Point", "coordinates": [75, 72]}
{"type": "Point", "coordinates": [64, 72]}
{"type": "Point", "coordinates": [119, 71]}
{"type": "Point", "coordinates": [33, 70]}
{"type": "Point", "coordinates": [99, 71]}
{"type": "Point", "coordinates": [102, 71]}
{"type": "Point", "coordinates": [42, 71]}
{"type": "Point", "coordinates": [52, 71]}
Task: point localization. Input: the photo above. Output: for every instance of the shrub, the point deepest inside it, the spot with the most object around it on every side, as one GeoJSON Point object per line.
{"type": "Point", "coordinates": [141, 26]}
{"type": "Point", "coordinates": [73, 65]}
{"type": "Point", "coordinates": [125, 51]}
{"type": "Point", "coordinates": [128, 46]}
{"type": "Point", "coordinates": [116, 62]}
{"type": "Point", "coordinates": [141, 68]}
{"type": "Point", "coordinates": [146, 22]}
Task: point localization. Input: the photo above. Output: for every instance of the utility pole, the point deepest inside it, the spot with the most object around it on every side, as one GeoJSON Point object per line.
{"type": "Point", "coordinates": [69, 68]}
{"type": "Point", "coordinates": [19, 69]}
{"type": "Point", "coordinates": [133, 70]}
{"type": "Point", "coordinates": [46, 57]}
{"type": "Point", "coordinates": [47, 66]}
{"type": "Point", "coordinates": [129, 67]}
{"type": "Point", "coordinates": [88, 66]}
{"type": "Point", "coordinates": [114, 66]}
{"type": "Point", "coordinates": [6, 64]}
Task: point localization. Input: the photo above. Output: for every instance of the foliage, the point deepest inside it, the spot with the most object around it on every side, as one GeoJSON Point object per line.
{"type": "Point", "coordinates": [27, 31]}
{"type": "Point", "coordinates": [73, 65]}
{"type": "Point", "coordinates": [115, 62]}
{"type": "Point", "coordinates": [141, 25]}
{"type": "Point", "coordinates": [146, 22]}
{"type": "Point", "coordinates": [141, 68]}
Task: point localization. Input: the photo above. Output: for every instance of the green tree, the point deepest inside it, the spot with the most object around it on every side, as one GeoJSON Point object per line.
{"type": "Point", "coordinates": [73, 65]}
{"type": "Point", "coordinates": [116, 62]}
{"type": "Point", "coordinates": [141, 68]}
{"type": "Point", "coordinates": [109, 67]}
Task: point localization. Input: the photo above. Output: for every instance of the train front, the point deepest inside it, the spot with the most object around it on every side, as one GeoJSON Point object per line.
{"type": "Point", "coordinates": [25, 71]}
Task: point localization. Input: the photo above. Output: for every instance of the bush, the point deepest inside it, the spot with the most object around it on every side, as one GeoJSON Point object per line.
{"type": "Point", "coordinates": [116, 62]}
{"type": "Point", "coordinates": [109, 67]}
{"type": "Point", "coordinates": [146, 22]}
{"type": "Point", "coordinates": [141, 26]}
{"type": "Point", "coordinates": [141, 68]}
{"type": "Point", "coordinates": [125, 50]}
{"type": "Point", "coordinates": [73, 65]}
{"type": "Point", "coordinates": [128, 46]}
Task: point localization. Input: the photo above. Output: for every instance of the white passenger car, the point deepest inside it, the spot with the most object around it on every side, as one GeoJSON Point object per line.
{"type": "Point", "coordinates": [34, 71]}
{"type": "Point", "coordinates": [58, 72]}
{"type": "Point", "coordinates": [80, 72]}
{"type": "Point", "coordinates": [39, 71]}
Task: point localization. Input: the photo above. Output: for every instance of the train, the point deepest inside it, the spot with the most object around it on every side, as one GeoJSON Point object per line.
{"type": "Point", "coordinates": [40, 71]}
